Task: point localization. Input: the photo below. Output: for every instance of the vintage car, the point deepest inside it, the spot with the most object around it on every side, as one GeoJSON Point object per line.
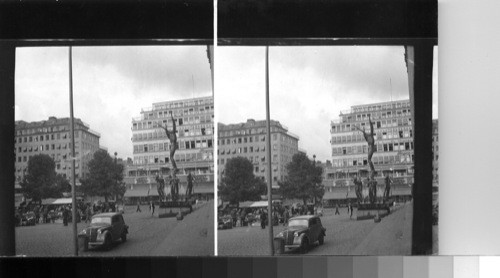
{"type": "Point", "coordinates": [301, 232]}
{"type": "Point", "coordinates": [104, 229]}
{"type": "Point", "coordinates": [225, 222]}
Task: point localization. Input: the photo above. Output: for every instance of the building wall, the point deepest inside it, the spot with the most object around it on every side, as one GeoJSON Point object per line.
{"type": "Point", "coordinates": [249, 140]}
{"type": "Point", "coordinates": [151, 147]}
{"type": "Point", "coordinates": [393, 139]}
{"type": "Point", "coordinates": [52, 137]}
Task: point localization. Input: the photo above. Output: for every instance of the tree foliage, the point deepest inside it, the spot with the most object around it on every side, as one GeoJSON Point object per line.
{"type": "Point", "coordinates": [105, 177]}
{"type": "Point", "coordinates": [304, 179]}
{"type": "Point", "coordinates": [41, 180]}
{"type": "Point", "coordinates": [239, 182]}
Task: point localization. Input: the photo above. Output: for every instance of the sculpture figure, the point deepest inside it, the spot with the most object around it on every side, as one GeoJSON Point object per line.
{"type": "Point", "coordinates": [160, 187]}
{"type": "Point", "coordinates": [388, 182]}
{"type": "Point", "coordinates": [358, 186]}
{"type": "Point", "coordinates": [172, 137]}
{"type": "Point", "coordinates": [189, 188]}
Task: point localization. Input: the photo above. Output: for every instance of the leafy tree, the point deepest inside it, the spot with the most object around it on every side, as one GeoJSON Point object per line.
{"type": "Point", "coordinates": [304, 179]}
{"type": "Point", "coordinates": [239, 183]}
{"type": "Point", "coordinates": [41, 180]}
{"type": "Point", "coordinates": [105, 177]}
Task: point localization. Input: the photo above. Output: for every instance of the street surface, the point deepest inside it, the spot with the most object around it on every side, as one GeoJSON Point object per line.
{"type": "Point", "coordinates": [148, 236]}
{"type": "Point", "coordinates": [392, 236]}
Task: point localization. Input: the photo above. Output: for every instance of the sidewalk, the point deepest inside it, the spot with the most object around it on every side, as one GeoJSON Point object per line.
{"type": "Point", "coordinates": [193, 236]}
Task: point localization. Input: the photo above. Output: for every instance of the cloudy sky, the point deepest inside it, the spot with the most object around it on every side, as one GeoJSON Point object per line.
{"type": "Point", "coordinates": [309, 86]}
{"type": "Point", "coordinates": [110, 85]}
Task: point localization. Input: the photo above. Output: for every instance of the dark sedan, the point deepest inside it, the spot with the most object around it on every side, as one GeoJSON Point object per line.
{"type": "Point", "coordinates": [104, 229]}
{"type": "Point", "coordinates": [302, 231]}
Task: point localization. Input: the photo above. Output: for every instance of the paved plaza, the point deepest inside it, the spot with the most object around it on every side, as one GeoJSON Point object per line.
{"type": "Point", "coordinates": [148, 236]}
{"type": "Point", "coordinates": [344, 236]}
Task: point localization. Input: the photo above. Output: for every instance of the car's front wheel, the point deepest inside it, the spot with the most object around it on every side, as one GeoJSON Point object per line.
{"type": "Point", "coordinates": [124, 237]}
{"type": "Point", "coordinates": [107, 242]}
{"type": "Point", "coordinates": [321, 239]}
{"type": "Point", "coordinates": [304, 245]}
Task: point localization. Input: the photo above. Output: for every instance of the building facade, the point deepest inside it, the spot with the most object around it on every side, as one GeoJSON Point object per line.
{"type": "Point", "coordinates": [249, 140]}
{"type": "Point", "coordinates": [393, 132]}
{"type": "Point", "coordinates": [435, 153]}
{"type": "Point", "coordinates": [195, 128]}
{"type": "Point", "coordinates": [53, 137]}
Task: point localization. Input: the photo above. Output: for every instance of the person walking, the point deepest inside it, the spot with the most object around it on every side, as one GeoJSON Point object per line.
{"type": "Point", "coordinates": [152, 208]}
{"type": "Point", "coordinates": [337, 209]}
{"type": "Point", "coordinates": [138, 207]}
{"type": "Point", "coordinates": [350, 210]}
{"type": "Point", "coordinates": [263, 218]}
{"type": "Point", "coordinates": [65, 216]}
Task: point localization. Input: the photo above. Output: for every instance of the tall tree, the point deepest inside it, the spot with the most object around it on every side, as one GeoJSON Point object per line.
{"type": "Point", "coordinates": [239, 183]}
{"type": "Point", "coordinates": [41, 180]}
{"type": "Point", "coordinates": [304, 179]}
{"type": "Point", "coordinates": [105, 177]}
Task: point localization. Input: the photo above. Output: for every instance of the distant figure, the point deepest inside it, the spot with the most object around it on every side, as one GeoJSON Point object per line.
{"type": "Point", "coordinates": [372, 190]}
{"type": "Point", "coordinates": [138, 208]}
{"type": "Point", "coordinates": [65, 216]}
{"type": "Point", "coordinates": [350, 210]}
{"type": "Point", "coordinates": [152, 208]}
{"type": "Point", "coordinates": [263, 218]}
{"type": "Point", "coordinates": [337, 209]}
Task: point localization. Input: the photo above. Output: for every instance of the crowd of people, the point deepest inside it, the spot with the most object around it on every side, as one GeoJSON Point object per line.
{"type": "Point", "coordinates": [50, 213]}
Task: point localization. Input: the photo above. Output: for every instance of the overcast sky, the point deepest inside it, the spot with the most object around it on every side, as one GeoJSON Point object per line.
{"type": "Point", "coordinates": [309, 86]}
{"type": "Point", "coordinates": [110, 85]}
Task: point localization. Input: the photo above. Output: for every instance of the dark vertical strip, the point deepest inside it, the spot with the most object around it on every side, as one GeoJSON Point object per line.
{"type": "Point", "coordinates": [163, 267]}
{"type": "Point", "coordinates": [316, 267]}
{"type": "Point", "coordinates": [189, 267]}
{"type": "Point", "coordinates": [239, 267]}
{"type": "Point", "coordinates": [422, 188]}
{"type": "Point", "coordinates": [7, 155]}
{"type": "Point", "coordinates": [340, 267]}
{"type": "Point", "coordinates": [268, 153]}
{"type": "Point", "coordinates": [289, 267]}
{"type": "Point", "coordinates": [365, 267]}
{"type": "Point", "coordinates": [215, 267]}
{"type": "Point", "coordinates": [136, 267]}
{"type": "Point", "coordinates": [265, 267]}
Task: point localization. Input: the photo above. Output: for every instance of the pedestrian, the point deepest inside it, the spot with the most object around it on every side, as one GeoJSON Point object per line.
{"type": "Point", "coordinates": [351, 210]}
{"type": "Point", "coordinates": [138, 208]}
{"type": "Point", "coordinates": [263, 218]}
{"type": "Point", "coordinates": [65, 216]}
{"type": "Point", "coordinates": [337, 209]}
{"type": "Point", "coordinates": [285, 217]}
{"type": "Point", "coordinates": [45, 214]}
{"type": "Point", "coordinates": [152, 208]}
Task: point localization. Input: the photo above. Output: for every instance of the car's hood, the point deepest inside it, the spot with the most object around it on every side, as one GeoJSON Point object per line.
{"type": "Point", "coordinates": [98, 226]}
{"type": "Point", "coordinates": [296, 229]}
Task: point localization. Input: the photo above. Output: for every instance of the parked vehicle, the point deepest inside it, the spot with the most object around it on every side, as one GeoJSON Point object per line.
{"type": "Point", "coordinates": [302, 231]}
{"type": "Point", "coordinates": [104, 229]}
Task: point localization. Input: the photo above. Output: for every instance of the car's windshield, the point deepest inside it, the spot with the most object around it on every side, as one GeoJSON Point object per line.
{"type": "Point", "coordinates": [298, 222]}
{"type": "Point", "coordinates": [106, 220]}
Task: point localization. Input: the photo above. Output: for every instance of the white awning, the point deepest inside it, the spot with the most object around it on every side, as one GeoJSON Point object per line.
{"type": "Point", "coordinates": [62, 201]}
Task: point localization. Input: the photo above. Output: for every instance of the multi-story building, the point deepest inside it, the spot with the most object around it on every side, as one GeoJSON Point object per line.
{"type": "Point", "coordinates": [195, 128]}
{"type": "Point", "coordinates": [53, 137]}
{"type": "Point", "coordinates": [435, 153]}
{"type": "Point", "coordinates": [393, 132]}
{"type": "Point", "coordinates": [249, 140]}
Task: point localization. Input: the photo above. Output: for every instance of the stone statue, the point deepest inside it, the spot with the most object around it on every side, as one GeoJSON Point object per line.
{"type": "Point", "coordinates": [172, 137]}
{"type": "Point", "coordinates": [189, 188]}
{"type": "Point", "coordinates": [358, 186]}
{"type": "Point", "coordinates": [370, 139]}
{"type": "Point", "coordinates": [388, 182]}
{"type": "Point", "coordinates": [372, 190]}
{"type": "Point", "coordinates": [160, 187]}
